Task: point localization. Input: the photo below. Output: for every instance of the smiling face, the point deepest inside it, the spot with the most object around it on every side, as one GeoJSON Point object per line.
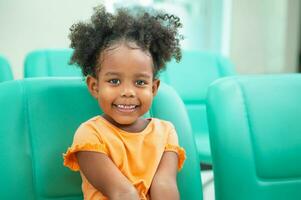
{"type": "Point", "coordinates": [125, 86]}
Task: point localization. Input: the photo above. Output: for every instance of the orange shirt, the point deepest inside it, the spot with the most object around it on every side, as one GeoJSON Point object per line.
{"type": "Point", "coordinates": [137, 155]}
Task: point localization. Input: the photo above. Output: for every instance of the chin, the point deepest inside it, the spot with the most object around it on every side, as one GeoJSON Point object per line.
{"type": "Point", "coordinates": [125, 121]}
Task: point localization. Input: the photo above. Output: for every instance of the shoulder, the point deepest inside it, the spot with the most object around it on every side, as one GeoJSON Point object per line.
{"type": "Point", "coordinates": [91, 126]}
{"type": "Point", "coordinates": [163, 122]}
{"type": "Point", "coordinates": [91, 123]}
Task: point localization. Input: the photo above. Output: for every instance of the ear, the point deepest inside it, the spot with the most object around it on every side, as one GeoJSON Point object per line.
{"type": "Point", "coordinates": [156, 84]}
{"type": "Point", "coordinates": [92, 84]}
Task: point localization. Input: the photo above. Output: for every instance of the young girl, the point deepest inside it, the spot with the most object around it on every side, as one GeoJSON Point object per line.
{"type": "Point", "coordinates": [121, 155]}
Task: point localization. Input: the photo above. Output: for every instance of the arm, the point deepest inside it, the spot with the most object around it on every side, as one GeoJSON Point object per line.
{"type": "Point", "coordinates": [101, 172]}
{"type": "Point", "coordinates": [164, 185]}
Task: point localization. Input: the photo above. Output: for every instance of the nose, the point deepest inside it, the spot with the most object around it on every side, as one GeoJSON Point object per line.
{"type": "Point", "coordinates": [128, 91]}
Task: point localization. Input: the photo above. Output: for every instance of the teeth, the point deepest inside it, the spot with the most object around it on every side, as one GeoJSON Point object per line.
{"type": "Point", "coordinates": [126, 106]}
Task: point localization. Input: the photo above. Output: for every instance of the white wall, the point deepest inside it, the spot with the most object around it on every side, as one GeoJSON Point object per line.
{"type": "Point", "coordinates": [262, 36]}
{"type": "Point", "coordinates": [26, 25]}
{"type": "Point", "coordinates": [259, 36]}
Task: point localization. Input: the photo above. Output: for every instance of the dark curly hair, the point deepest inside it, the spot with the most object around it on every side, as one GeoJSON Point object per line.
{"type": "Point", "coordinates": [155, 32]}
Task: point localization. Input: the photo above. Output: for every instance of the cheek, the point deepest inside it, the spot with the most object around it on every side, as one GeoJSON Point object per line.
{"type": "Point", "coordinates": [103, 89]}
{"type": "Point", "coordinates": [147, 96]}
{"type": "Point", "coordinates": [105, 96]}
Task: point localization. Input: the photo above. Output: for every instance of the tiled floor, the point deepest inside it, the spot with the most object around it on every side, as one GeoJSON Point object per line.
{"type": "Point", "coordinates": [208, 184]}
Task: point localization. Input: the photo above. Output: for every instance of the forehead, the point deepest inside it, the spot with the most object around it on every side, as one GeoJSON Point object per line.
{"type": "Point", "coordinates": [125, 58]}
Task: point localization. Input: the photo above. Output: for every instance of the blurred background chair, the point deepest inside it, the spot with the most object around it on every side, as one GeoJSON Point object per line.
{"type": "Point", "coordinates": [49, 62]}
{"type": "Point", "coordinates": [5, 70]}
{"type": "Point", "coordinates": [191, 78]}
{"type": "Point", "coordinates": [38, 119]}
{"type": "Point", "coordinates": [255, 135]}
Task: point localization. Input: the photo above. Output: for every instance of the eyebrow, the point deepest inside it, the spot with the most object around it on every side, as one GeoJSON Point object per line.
{"type": "Point", "coordinates": [142, 75]}
{"type": "Point", "coordinates": [138, 75]}
{"type": "Point", "coordinates": [112, 74]}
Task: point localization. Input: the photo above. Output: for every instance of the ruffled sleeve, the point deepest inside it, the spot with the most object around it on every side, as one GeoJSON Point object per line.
{"type": "Point", "coordinates": [85, 139]}
{"type": "Point", "coordinates": [173, 145]}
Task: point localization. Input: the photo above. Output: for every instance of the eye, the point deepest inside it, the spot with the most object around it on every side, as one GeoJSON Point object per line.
{"type": "Point", "coordinates": [140, 82]}
{"type": "Point", "coordinates": [114, 81]}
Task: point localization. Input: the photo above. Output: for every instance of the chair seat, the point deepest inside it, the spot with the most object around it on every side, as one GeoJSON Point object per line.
{"type": "Point", "coordinates": [203, 147]}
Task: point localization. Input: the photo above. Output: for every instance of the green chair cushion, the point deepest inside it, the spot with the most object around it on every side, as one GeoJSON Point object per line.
{"type": "Point", "coordinates": [38, 119]}
{"type": "Point", "coordinates": [255, 135]}
{"type": "Point", "coordinates": [50, 62]}
{"type": "Point", "coordinates": [191, 79]}
{"type": "Point", "coordinates": [5, 70]}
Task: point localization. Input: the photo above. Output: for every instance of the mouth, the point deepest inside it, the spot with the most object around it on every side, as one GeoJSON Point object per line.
{"type": "Point", "coordinates": [125, 108]}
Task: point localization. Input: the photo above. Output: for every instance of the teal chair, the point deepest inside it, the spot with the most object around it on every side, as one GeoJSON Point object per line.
{"type": "Point", "coordinates": [191, 78]}
{"type": "Point", "coordinates": [5, 70]}
{"type": "Point", "coordinates": [38, 120]}
{"type": "Point", "coordinates": [255, 135]}
{"type": "Point", "coordinates": [49, 62]}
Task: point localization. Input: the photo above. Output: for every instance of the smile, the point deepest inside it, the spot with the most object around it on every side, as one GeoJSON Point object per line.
{"type": "Point", "coordinates": [125, 108]}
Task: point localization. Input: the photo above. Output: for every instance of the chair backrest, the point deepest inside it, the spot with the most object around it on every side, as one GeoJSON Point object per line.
{"type": "Point", "coordinates": [5, 70]}
{"type": "Point", "coordinates": [50, 62]}
{"type": "Point", "coordinates": [191, 79]}
{"type": "Point", "coordinates": [37, 122]}
{"type": "Point", "coordinates": [255, 135]}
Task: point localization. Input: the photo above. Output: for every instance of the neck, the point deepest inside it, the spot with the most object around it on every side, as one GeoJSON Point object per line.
{"type": "Point", "coordinates": [137, 126]}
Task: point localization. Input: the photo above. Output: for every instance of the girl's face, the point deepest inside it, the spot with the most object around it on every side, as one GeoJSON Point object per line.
{"type": "Point", "coordinates": [125, 86]}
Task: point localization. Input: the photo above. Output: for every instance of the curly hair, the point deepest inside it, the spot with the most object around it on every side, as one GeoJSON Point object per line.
{"type": "Point", "coordinates": [154, 32]}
